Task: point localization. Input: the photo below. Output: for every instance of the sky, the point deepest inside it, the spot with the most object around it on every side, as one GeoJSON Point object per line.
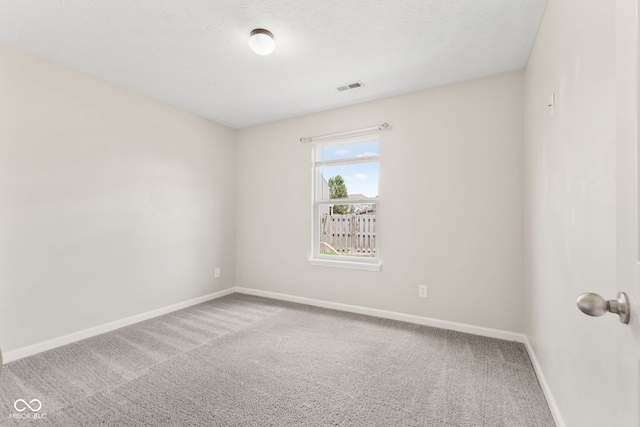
{"type": "Point", "coordinates": [359, 178]}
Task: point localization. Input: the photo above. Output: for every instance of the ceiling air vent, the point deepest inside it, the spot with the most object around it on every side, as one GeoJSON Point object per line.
{"type": "Point", "coordinates": [349, 86]}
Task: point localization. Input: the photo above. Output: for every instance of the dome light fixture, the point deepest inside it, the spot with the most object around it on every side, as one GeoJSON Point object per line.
{"type": "Point", "coordinates": [261, 41]}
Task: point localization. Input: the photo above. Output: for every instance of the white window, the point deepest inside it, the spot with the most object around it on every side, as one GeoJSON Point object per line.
{"type": "Point", "coordinates": [345, 203]}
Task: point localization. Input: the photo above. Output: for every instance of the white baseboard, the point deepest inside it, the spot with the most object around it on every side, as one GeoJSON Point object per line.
{"type": "Point", "coordinates": [410, 318]}
{"type": "Point", "coordinates": [555, 410]}
{"type": "Point", "coordinates": [107, 327]}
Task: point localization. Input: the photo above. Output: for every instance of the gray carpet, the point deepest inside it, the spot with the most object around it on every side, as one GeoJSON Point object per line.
{"type": "Point", "coordinates": [249, 361]}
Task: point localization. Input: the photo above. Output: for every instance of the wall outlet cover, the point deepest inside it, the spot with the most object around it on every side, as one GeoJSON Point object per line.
{"type": "Point", "coordinates": [422, 291]}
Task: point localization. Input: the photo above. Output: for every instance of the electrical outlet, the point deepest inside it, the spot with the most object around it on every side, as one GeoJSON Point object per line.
{"type": "Point", "coordinates": [422, 291]}
{"type": "Point", "coordinates": [217, 273]}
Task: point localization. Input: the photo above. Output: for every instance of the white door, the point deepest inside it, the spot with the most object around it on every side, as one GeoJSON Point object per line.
{"type": "Point", "coordinates": [626, 412]}
{"type": "Point", "coordinates": [628, 214]}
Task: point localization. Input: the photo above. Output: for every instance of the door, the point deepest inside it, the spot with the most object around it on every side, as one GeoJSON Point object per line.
{"type": "Point", "coordinates": [626, 412]}
{"type": "Point", "coordinates": [627, 212]}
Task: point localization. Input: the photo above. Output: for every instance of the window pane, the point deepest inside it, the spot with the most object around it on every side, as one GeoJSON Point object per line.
{"type": "Point", "coordinates": [348, 230]}
{"type": "Point", "coordinates": [354, 181]}
{"type": "Point", "coordinates": [347, 151]}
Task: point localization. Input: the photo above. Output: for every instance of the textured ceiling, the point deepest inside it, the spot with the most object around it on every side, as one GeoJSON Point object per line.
{"type": "Point", "coordinates": [193, 54]}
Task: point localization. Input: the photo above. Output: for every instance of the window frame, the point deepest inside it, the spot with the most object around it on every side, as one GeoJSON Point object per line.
{"type": "Point", "coordinates": [341, 261]}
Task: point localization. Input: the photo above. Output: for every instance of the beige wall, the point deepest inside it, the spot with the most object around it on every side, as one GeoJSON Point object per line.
{"type": "Point", "coordinates": [111, 204]}
{"type": "Point", "coordinates": [570, 201]}
{"type": "Point", "coordinates": [114, 205]}
{"type": "Point", "coordinates": [450, 209]}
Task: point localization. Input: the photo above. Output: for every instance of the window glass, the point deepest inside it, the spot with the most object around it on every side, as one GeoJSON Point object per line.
{"type": "Point", "coordinates": [346, 199]}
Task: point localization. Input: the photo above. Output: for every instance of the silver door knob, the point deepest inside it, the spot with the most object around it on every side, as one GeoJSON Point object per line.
{"type": "Point", "coordinates": [595, 305]}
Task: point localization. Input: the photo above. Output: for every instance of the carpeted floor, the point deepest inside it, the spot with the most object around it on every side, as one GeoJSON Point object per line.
{"type": "Point", "coordinates": [249, 361]}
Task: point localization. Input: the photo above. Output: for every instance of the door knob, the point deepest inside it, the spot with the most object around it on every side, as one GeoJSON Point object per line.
{"type": "Point", "coordinates": [595, 305]}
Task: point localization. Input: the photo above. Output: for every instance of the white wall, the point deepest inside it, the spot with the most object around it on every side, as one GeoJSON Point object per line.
{"type": "Point", "coordinates": [111, 204]}
{"type": "Point", "coordinates": [450, 213]}
{"type": "Point", "coordinates": [570, 200]}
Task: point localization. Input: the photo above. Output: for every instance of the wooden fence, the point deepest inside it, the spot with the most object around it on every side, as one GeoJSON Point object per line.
{"type": "Point", "coordinates": [352, 234]}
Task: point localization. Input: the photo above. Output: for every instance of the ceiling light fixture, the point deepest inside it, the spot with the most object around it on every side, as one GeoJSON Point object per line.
{"type": "Point", "coordinates": [261, 41]}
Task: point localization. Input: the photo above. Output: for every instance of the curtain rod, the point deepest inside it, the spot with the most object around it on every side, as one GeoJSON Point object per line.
{"type": "Point", "coordinates": [348, 133]}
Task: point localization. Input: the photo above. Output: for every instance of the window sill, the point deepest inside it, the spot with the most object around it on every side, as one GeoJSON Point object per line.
{"type": "Point", "coordinates": [367, 266]}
